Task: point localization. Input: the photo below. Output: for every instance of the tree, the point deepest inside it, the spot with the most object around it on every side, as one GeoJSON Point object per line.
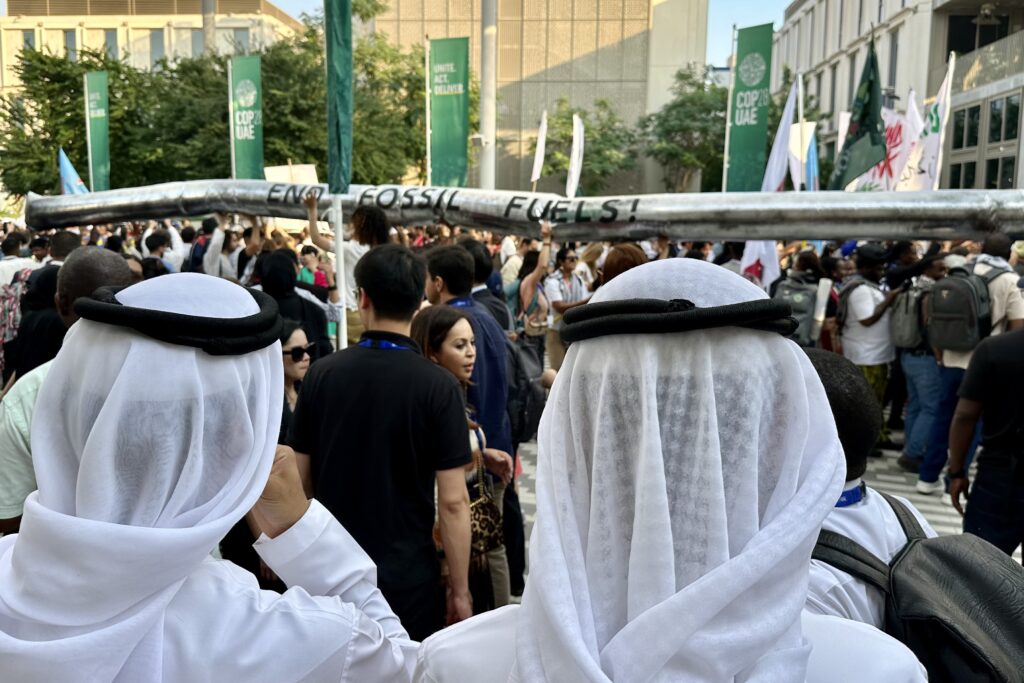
{"type": "Point", "coordinates": [687, 135]}
{"type": "Point", "coordinates": [610, 144]}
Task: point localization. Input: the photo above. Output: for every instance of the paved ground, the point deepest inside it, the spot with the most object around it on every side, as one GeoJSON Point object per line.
{"type": "Point", "coordinates": [883, 474]}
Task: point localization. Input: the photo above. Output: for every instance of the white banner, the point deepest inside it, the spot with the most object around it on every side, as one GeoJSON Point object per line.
{"type": "Point", "coordinates": [778, 161]}
{"type": "Point", "coordinates": [902, 132]}
{"type": "Point", "coordinates": [798, 157]}
{"type": "Point", "coordinates": [538, 156]}
{"type": "Point", "coordinates": [841, 131]}
{"type": "Point", "coordinates": [575, 158]}
{"type": "Point", "coordinates": [924, 167]}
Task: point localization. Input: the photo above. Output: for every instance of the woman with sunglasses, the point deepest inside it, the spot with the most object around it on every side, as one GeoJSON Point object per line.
{"type": "Point", "coordinates": [237, 545]}
{"type": "Point", "coordinates": [565, 290]}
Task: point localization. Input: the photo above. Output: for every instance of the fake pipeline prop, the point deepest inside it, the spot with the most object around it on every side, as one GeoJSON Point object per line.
{"type": "Point", "coordinates": [945, 214]}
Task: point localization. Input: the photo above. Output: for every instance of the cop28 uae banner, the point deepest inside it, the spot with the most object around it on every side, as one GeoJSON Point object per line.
{"type": "Point", "coordinates": [448, 87]}
{"type": "Point", "coordinates": [246, 114]}
{"type": "Point", "coordinates": [97, 133]}
{"type": "Point", "coordinates": [748, 119]}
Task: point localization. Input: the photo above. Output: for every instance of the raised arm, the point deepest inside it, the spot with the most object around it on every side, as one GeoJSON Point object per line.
{"type": "Point", "coordinates": [530, 282]}
{"type": "Point", "coordinates": [313, 214]}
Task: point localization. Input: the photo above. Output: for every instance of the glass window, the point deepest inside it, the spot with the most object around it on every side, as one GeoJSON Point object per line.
{"type": "Point", "coordinates": [824, 30]}
{"type": "Point", "coordinates": [841, 20]}
{"type": "Point", "coordinates": [988, 34]}
{"type": "Point", "coordinates": [973, 123]}
{"type": "Point", "coordinates": [860, 17]}
{"type": "Point", "coordinates": [959, 117]}
{"type": "Point", "coordinates": [810, 37]}
{"type": "Point", "coordinates": [110, 42]}
{"type": "Point", "coordinates": [70, 46]}
{"type": "Point", "coordinates": [894, 49]}
{"type": "Point", "coordinates": [156, 46]}
{"type": "Point", "coordinates": [832, 89]}
{"type": "Point", "coordinates": [969, 171]}
{"type": "Point", "coordinates": [817, 89]}
{"type": "Point", "coordinates": [28, 39]}
{"type": "Point", "coordinates": [961, 33]}
{"type": "Point", "coordinates": [853, 81]}
{"type": "Point", "coordinates": [1006, 173]}
{"type": "Point", "coordinates": [1012, 117]}
{"type": "Point", "coordinates": [992, 174]}
{"type": "Point", "coordinates": [954, 176]}
{"type": "Point", "coordinates": [241, 39]}
{"type": "Point", "coordinates": [881, 10]}
{"type": "Point", "coordinates": [197, 42]}
{"type": "Point", "coordinates": [995, 120]}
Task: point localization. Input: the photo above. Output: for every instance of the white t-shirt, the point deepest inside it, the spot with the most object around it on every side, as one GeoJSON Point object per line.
{"type": "Point", "coordinates": [10, 265]}
{"type": "Point", "coordinates": [17, 476]}
{"type": "Point", "coordinates": [456, 654]}
{"type": "Point", "coordinates": [873, 524]}
{"type": "Point", "coordinates": [352, 252]}
{"type": "Point", "coordinates": [864, 345]}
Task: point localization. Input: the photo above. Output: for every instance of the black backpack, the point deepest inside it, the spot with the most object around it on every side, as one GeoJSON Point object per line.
{"type": "Point", "coordinates": [960, 309]}
{"type": "Point", "coordinates": [801, 297]}
{"type": "Point", "coordinates": [526, 396]}
{"type": "Point", "coordinates": [194, 262]}
{"type": "Point", "coordinates": [956, 601]}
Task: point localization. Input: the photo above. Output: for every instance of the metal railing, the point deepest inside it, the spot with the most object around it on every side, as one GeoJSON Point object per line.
{"type": "Point", "coordinates": [994, 62]}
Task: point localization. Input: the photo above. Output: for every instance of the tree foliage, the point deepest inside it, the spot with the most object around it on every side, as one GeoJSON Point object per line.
{"type": "Point", "coordinates": [610, 146]}
{"type": "Point", "coordinates": [171, 123]}
{"type": "Point", "coordinates": [688, 134]}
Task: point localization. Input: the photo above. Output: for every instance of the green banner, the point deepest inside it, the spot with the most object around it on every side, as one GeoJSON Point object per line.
{"type": "Point", "coordinates": [338, 30]}
{"type": "Point", "coordinates": [865, 141]}
{"type": "Point", "coordinates": [748, 117]}
{"type": "Point", "coordinates": [97, 133]}
{"type": "Point", "coordinates": [448, 78]}
{"type": "Point", "coordinates": [246, 98]}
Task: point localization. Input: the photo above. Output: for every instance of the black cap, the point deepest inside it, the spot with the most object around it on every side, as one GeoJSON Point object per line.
{"type": "Point", "coordinates": [872, 254]}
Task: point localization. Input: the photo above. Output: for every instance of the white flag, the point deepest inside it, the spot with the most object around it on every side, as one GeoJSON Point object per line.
{"type": "Point", "coordinates": [538, 156]}
{"type": "Point", "coordinates": [925, 164]}
{"type": "Point", "coordinates": [760, 260]}
{"type": "Point", "coordinates": [798, 157]}
{"type": "Point", "coordinates": [842, 130]}
{"type": "Point", "coordinates": [575, 157]}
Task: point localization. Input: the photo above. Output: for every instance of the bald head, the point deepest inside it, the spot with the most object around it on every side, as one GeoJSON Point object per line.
{"type": "Point", "coordinates": [997, 244]}
{"type": "Point", "coordinates": [84, 271]}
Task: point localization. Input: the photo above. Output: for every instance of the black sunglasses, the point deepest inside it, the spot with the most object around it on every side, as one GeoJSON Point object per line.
{"type": "Point", "coordinates": [299, 352]}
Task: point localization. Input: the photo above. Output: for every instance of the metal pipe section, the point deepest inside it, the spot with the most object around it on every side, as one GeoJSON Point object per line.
{"type": "Point", "coordinates": [945, 214]}
{"type": "Point", "coordinates": [488, 92]}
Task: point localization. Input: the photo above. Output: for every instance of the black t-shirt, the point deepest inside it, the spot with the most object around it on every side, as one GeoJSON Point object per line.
{"type": "Point", "coordinates": [994, 378]}
{"type": "Point", "coordinates": [378, 423]}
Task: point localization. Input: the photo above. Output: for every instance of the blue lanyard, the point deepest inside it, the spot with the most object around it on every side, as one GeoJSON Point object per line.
{"type": "Point", "coordinates": [852, 497]}
{"type": "Point", "coordinates": [464, 302]}
{"type": "Point", "coordinates": [382, 344]}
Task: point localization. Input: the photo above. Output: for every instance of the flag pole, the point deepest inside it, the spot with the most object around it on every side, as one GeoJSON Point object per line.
{"type": "Point", "coordinates": [426, 85]}
{"type": "Point", "coordinates": [728, 112]}
{"type": "Point", "coordinates": [800, 119]}
{"type": "Point", "coordinates": [88, 131]}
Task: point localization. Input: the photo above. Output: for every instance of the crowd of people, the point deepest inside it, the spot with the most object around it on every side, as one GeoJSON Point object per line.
{"type": "Point", "coordinates": [171, 391]}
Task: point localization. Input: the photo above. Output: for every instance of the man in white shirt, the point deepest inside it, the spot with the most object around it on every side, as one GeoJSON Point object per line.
{"type": "Point", "coordinates": [565, 290]}
{"type": "Point", "coordinates": [861, 514]}
{"type": "Point", "coordinates": [864, 309]}
{"type": "Point", "coordinates": [12, 261]}
{"type": "Point", "coordinates": [1007, 315]}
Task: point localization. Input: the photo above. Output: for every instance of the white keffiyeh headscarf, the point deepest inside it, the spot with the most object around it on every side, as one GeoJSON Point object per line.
{"type": "Point", "coordinates": [682, 480]}
{"type": "Point", "coordinates": [145, 454]}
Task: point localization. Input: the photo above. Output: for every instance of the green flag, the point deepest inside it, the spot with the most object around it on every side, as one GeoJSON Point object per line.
{"type": "Point", "coordinates": [246, 107]}
{"type": "Point", "coordinates": [748, 109]}
{"type": "Point", "coordinates": [448, 85]}
{"type": "Point", "coordinates": [865, 141]}
{"type": "Point", "coordinates": [97, 134]}
{"type": "Point", "coordinates": [338, 28]}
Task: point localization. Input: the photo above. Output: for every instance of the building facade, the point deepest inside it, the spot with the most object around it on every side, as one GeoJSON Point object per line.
{"type": "Point", "coordinates": [141, 31]}
{"type": "Point", "coordinates": [624, 51]}
{"type": "Point", "coordinates": [827, 40]}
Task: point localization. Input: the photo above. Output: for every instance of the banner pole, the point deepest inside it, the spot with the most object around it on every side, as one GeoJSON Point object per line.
{"type": "Point", "coordinates": [338, 225]}
{"type": "Point", "coordinates": [231, 117]}
{"type": "Point", "coordinates": [799, 184]}
{"type": "Point", "coordinates": [426, 86]}
{"type": "Point", "coordinates": [728, 112]}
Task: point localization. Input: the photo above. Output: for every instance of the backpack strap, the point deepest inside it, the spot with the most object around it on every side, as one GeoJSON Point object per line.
{"type": "Point", "coordinates": [847, 555]}
{"type": "Point", "coordinates": [911, 527]}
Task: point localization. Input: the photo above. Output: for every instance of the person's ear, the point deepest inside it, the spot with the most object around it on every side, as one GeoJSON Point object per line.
{"type": "Point", "coordinates": [364, 300]}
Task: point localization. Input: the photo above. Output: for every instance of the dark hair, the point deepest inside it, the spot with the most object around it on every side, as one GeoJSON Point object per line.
{"type": "Point", "coordinates": [621, 258]}
{"type": "Point", "coordinates": [808, 262]}
{"type": "Point", "coordinates": [153, 267]}
{"type": "Point", "coordinates": [310, 249]}
{"type": "Point", "coordinates": [730, 251]}
{"type": "Point", "coordinates": [454, 265]}
{"type": "Point", "coordinates": [856, 411]}
{"type": "Point", "coordinates": [155, 241]}
{"type": "Point", "coordinates": [42, 242]}
{"type": "Point", "coordinates": [188, 233]}
{"type": "Point", "coordinates": [114, 243]}
{"type": "Point", "coordinates": [997, 244]}
{"type": "Point", "coordinates": [370, 226]}
{"type": "Point", "coordinates": [277, 273]}
{"type": "Point", "coordinates": [290, 253]}
{"type": "Point", "coordinates": [209, 224]}
{"type": "Point", "coordinates": [483, 266]}
{"type": "Point", "coordinates": [529, 264]}
{"type": "Point", "coordinates": [288, 328]}
{"type": "Point", "coordinates": [86, 269]}
{"type": "Point", "coordinates": [899, 249]}
{"type": "Point", "coordinates": [431, 326]}
{"type": "Point", "coordinates": [830, 264]}
{"type": "Point", "coordinates": [11, 245]}
{"type": "Point", "coordinates": [563, 254]}
{"type": "Point", "coordinates": [694, 252]}
{"type": "Point", "coordinates": [63, 243]}
{"type": "Point", "coordinates": [393, 280]}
